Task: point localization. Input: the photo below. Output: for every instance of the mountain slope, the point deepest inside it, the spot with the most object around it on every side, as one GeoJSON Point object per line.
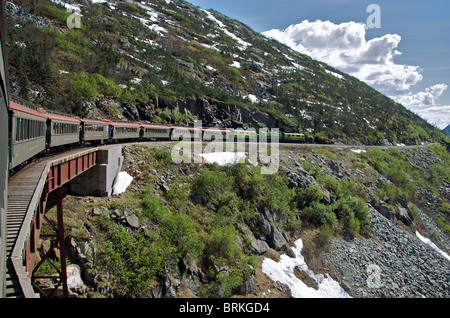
{"type": "Point", "coordinates": [170, 61]}
{"type": "Point", "coordinates": [447, 130]}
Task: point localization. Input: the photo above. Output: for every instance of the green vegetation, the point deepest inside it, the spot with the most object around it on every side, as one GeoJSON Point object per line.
{"type": "Point", "coordinates": [354, 213]}
{"type": "Point", "coordinates": [132, 260]}
{"type": "Point", "coordinates": [200, 218]}
{"type": "Point", "coordinates": [236, 190]}
{"type": "Point", "coordinates": [203, 233]}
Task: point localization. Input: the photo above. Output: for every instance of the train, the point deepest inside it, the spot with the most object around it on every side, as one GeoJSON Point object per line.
{"type": "Point", "coordinates": [35, 131]}
{"type": "Point", "coordinates": [4, 129]}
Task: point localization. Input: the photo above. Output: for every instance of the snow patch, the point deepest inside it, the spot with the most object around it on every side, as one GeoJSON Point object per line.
{"type": "Point", "coordinates": [69, 7]}
{"type": "Point", "coordinates": [236, 64]}
{"type": "Point", "coordinates": [283, 271]}
{"type": "Point", "coordinates": [242, 44]}
{"type": "Point", "coordinates": [136, 80]}
{"type": "Point", "coordinates": [123, 180]}
{"type": "Point", "coordinates": [335, 74]}
{"type": "Point", "coordinates": [223, 158]}
{"type": "Point", "coordinates": [432, 245]}
{"type": "Point", "coordinates": [252, 98]}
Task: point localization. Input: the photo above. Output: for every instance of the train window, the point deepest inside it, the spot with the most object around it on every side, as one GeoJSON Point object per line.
{"type": "Point", "coordinates": [125, 130]}
{"type": "Point", "coordinates": [18, 129]}
{"type": "Point", "coordinates": [28, 129]}
{"type": "Point", "coordinates": [64, 129]}
{"type": "Point", "coordinates": [94, 128]}
{"type": "Point", "coordinates": [155, 131]}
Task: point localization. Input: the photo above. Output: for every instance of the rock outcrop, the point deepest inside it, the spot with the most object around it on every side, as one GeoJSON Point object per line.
{"type": "Point", "coordinates": [215, 113]}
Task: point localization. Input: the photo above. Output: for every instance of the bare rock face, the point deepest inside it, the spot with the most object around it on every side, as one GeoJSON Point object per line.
{"type": "Point", "coordinates": [406, 267]}
{"type": "Point", "coordinates": [215, 113]}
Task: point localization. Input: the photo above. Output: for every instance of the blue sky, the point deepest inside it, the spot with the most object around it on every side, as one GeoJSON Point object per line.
{"type": "Point", "coordinates": [414, 38]}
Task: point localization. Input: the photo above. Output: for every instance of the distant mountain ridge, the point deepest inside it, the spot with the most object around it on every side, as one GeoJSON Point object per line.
{"type": "Point", "coordinates": [170, 61]}
{"type": "Point", "coordinates": [447, 130]}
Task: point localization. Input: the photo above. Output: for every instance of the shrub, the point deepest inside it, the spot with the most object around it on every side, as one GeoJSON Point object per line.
{"type": "Point", "coordinates": [320, 214]}
{"type": "Point", "coordinates": [311, 193]}
{"type": "Point", "coordinates": [325, 235]}
{"type": "Point", "coordinates": [226, 282]}
{"type": "Point", "coordinates": [131, 260]}
{"type": "Point", "coordinates": [271, 191]}
{"type": "Point", "coordinates": [162, 156]}
{"type": "Point", "coordinates": [353, 212]}
{"type": "Point", "coordinates": [178, 195]}
{"type": "Point", "coordinates": [222, 243]}
{"type": "Point", "coordinates": [332, 184]}
{"type": "Point", "coordinates": [176, 230]}
{"type": "Point", "coordinates": [214, 187]}
{"type": "Point", "coordinates": [277, 195]}
{"type": "Point", "coordinates": [48, 9]}
{"type": "Point", "coordinates": [84, 87]}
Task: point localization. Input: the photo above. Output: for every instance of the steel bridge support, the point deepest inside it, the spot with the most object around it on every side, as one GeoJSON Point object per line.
{"type": "Point", "coordinates": [57, 242]}
{"type": "Point", "coordinates": [29, 196]}
{"type": "Point", "coordinates": [60, 172]}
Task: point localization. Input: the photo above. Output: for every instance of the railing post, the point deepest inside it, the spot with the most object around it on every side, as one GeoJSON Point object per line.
{"type": "Point", "coordinates": [61, 239]}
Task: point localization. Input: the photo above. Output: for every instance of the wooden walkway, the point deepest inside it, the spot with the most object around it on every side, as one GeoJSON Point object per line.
{"type": "Point", "coordinates": [21, 189]}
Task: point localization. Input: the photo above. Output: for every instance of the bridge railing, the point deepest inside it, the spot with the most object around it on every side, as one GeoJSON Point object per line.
{"type": "Point", "coordinates": [55, 174]}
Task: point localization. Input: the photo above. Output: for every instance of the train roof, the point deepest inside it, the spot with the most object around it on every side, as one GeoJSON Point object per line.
{"type": "Point", "coordinates": [97, 121]}
{"type": "Point", "coordinates": [202, 128]}
{"type": "Point", "coordinates": [129, 124]}
{"type": "Point", "coordinates": [63, 118]}
{"type": "Point", "coordinates": [155, 126]}
{"type": "Point", "coordinates": [37, 111]}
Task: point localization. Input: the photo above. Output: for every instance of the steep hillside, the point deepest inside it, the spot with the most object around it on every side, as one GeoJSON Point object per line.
{"type": "Point", "coordinates": [447, 130]}
{"type": "Point", "coordinates": [170, 61]}
{"type": "Point", "coordinates": [202, 230]}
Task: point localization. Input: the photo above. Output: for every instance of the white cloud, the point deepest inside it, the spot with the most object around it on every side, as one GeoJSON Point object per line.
{"type": "Point", "coordinates": [426, 98]}
{"type": "Point", "coordinates": [344, 46]}
{"type": "Point", "coordinates": [438, 115]}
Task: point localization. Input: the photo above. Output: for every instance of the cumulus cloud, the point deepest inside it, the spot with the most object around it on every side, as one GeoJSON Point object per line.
{"type": "Point", "coordinates": [426, 98]}
{"type": "Point", "coordinates": [344, 46]}
{"type": "Point", "coordinates": [424, 104]}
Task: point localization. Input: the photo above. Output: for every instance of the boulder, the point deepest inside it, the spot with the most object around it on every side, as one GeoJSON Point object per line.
{"type": "Point", "coordinates": [259, 247]}
{"type": "Point", "coordinates": [386, 212]}
{"type": "Point", "coordinates": [277, 238]}
{"type": "Point", "coordinates": [403, 216]}
{"type": "Point", "coordinates": [74, 282]}
{"type": "Point", "coordinates": [247, 287]}
{"type": "Point", "coordinates": [264, 225]}
{"type": "Point", "coordinates": [132, 221]}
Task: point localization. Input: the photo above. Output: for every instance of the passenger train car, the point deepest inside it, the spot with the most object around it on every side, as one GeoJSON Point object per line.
{"type": "Point", "coordinates": [28, 131]}
{"type": "Point", "coordinates": [94, 131]}
{"type": "Point", "coordinates": [35, 131]}
{"type": "Point", "coordinates": [4, 140]}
